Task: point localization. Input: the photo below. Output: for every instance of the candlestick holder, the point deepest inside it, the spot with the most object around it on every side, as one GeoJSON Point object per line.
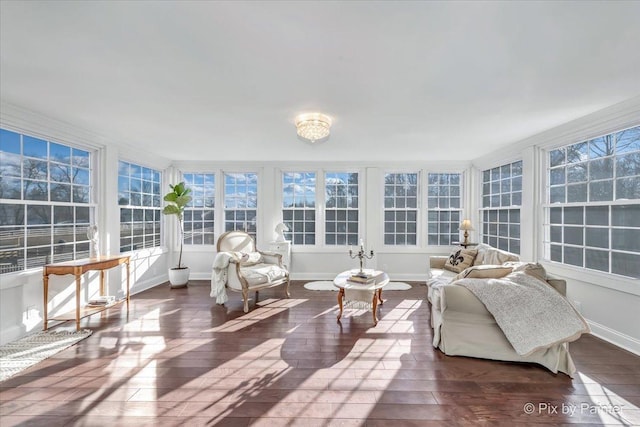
{"type": "Point", "coordinates": [362, 255]}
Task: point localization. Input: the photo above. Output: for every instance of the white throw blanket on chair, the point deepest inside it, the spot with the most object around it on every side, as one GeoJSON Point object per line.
{"type": "Point", "coordinates": [219, 275]}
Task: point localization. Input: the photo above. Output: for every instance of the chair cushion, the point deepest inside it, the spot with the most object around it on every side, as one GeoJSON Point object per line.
{"type": "Point", "coordinates": [260, 274]}
{"type": "Point", "coordinates": [251, 259]}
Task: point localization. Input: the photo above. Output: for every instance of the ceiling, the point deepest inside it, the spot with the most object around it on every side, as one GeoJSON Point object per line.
{"type": "Point", "coordinates": [199, 80]}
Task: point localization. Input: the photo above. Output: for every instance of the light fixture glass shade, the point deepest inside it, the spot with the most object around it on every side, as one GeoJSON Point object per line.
{"type": "Point", "coordinates": [466, 225]}
{"type": "Point", "coordinates": [313, 126]}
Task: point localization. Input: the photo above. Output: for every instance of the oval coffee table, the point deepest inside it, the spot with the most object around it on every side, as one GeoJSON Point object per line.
{"type": "Point", "coordinates": [374, 288]}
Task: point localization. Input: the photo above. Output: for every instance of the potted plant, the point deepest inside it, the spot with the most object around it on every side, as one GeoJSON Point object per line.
{"type": "Point", "coordinates": [178, 198]}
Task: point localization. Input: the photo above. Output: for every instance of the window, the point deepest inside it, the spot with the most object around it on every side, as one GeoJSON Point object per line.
{"type": "Point", "coordinates": [444, 207]}
{"type": "Point", "coordinates": [299, 207]}
{"type": "Point", "coordinates": [199, 214]}
{"type": "Point", "coordinates": [241, 202]}
{"type": "Point", "coordinates": [341, 208]}
{"type": "Point", "coordinates": [501, 201]}
{"type": "Point", "coordinates": [45, 202]}
{"type": "Point", "coordinates": [140, 206]}
{"type": "Point", "coordinates": [400, 208]}
{"type": "Point", "coordinates": [593, 210]}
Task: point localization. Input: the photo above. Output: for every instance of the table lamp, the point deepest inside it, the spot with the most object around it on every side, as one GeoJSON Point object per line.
{"type": "Point", "coordinates": [466, 226]}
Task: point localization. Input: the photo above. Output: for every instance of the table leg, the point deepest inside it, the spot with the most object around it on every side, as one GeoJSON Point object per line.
{"type": "Point", "coordinates": [374, 302]}
{"type": "Point", "coordinates": [127, 285]}
{"type": "Point", "coordinates": [101, 282]}
{"type": "Point", "coordinates": [380, 300]}
{"type": "Point", "coordinates": [340, 299]}
{"type": "Point", "coordinates": [78, 280]}
{"type": "Point", "coordinates": [45, 308]}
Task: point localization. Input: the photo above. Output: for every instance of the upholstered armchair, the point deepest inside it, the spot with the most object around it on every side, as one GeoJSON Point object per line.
{"type": "Point", "coordinates": [240, 267]}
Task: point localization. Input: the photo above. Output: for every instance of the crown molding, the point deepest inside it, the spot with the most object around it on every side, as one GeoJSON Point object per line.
{"type": "Point", "coordinates": [23, 120]}
{"type": "Point", "coordinates": [619, 116]}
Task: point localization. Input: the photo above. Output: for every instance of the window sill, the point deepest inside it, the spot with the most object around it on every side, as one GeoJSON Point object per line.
{"type": "Point", "coordinates": [605, 280]}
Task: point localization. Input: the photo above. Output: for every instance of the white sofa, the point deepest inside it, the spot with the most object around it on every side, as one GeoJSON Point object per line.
{"type": "Point", "coordinates": [462, 326]}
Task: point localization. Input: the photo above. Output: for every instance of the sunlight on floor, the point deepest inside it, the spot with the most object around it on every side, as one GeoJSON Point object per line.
{"type": "Point", "coordinates": [265, 310]}
{"type": "Point", "coordinates": [397, 320]}
{"type": "Point", "coordinates": [604, 402]}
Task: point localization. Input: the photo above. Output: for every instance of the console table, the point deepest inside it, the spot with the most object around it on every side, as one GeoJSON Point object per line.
{"type": "Point", "coordinates": [78, 268]}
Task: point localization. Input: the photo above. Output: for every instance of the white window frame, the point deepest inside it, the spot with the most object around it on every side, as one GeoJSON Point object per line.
{"type": "Point", "coordinates": [438, 210]}
{"type": "Point", "coordinates": [347, 210]}
{"type": "Point", "coordinates": [418, 209]}
{"type": "Point", "coordinates": [486, 220]}
{"type": "Point", "coordinates": [202, 209]}
{"type": "Point", "coordinates": [223, 221]}
{"type": "Point", "coordinates": [320, 209]}
{"type": "Point", "coordinates": [620, 282]}
{"type": "Point", "coordinates": [155, 209]}
{"type": "Point", "coordinates": [79, 245]}
{"type": "Point", "coordinates": [292, 234]}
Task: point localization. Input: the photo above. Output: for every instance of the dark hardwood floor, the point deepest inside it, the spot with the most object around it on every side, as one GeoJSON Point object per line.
{"type": "Point", "coordinates": [178, 359]}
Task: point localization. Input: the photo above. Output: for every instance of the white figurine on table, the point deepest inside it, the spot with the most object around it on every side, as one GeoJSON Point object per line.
{"type": "Point", "coordinates": [92, 234]}
{"type": "Point", "coordinates": [280, 229]}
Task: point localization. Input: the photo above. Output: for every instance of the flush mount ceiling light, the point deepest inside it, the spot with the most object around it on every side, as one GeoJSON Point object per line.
{"type": "Point", "coordinates": [313, 126]}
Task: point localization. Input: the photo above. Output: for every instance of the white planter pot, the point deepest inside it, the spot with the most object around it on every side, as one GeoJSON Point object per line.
{"type": "Point", "coordinates": [179, 277]}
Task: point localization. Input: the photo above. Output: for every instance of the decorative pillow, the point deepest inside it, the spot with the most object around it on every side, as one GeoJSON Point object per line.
{"type": "Point", "coordinates": [460, 259]}
{"type": "Point", "coordinates": [484, 272]}
{"type": "Point", "coordinates": [531, 268]}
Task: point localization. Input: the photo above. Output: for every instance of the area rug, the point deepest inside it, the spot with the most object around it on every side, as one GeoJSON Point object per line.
{"type": "Point", "coordinates": [19, 355]}
{"type": "Point", "coordinates": [326, 285]}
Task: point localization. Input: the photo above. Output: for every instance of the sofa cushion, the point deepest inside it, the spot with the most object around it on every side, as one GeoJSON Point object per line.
{"type": "Point", "coordinates": [531, 268]}
{"type": "Point", "coordinates": [460, 259]}
{"type": "Point", "coordinates": [484, 272]}
{"type": "Point", "coordinates": [493, 256]}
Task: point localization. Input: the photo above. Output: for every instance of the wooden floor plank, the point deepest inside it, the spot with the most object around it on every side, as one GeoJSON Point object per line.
{"type": "Point", "coordinates": [177, 358]}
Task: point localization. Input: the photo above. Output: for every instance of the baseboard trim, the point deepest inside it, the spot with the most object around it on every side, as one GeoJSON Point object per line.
{"type": "Point", "coordinates": [614, 337]}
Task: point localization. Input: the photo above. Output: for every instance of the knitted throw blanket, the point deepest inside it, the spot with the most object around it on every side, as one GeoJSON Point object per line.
{"type": "Point", "coordinates": [531, 313]}
{"type": "Point", "coordinates": [219, 275]}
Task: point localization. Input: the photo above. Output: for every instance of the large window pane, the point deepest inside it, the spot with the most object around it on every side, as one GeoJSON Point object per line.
{"type": "Point", "coordinates": [199, 215]}
{"type": "Point", "coordinates": [35, 169]}
{"type": "Point", "coordinates": [241, 202]}
{"type": "Point", "coordinates": [140, 218]}
{"type": "Point", "coordinates": [341, 208]}
{"type": "Point", "coordinates": [502, 226]}
{"type": "Point", "coordinates": [399, 217]}
{"type": "Point", "coordinates": [299, 200]}
{"type": "Point", "coordinates": [599, 171]}
{"type": "Point", "coordinates": [444, 191]}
